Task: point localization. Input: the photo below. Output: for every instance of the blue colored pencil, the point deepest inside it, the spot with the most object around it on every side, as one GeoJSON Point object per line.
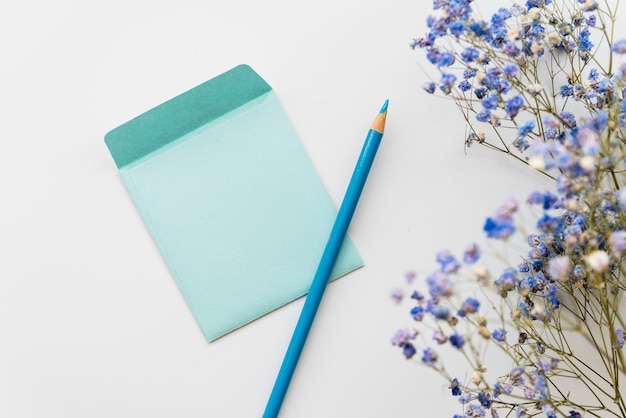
{"type": "Point", "coordinates": [327, 263]}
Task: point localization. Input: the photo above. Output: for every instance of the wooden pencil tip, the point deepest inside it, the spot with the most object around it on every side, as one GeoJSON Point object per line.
{"type": "Point", "coordinates": [379, 122]}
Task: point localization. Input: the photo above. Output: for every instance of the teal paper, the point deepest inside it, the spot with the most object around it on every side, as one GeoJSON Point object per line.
{"type": "Point", "coordinates": [230, 197]}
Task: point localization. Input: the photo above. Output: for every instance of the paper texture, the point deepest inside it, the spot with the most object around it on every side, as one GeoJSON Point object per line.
{"type": "Point", "coordinates": [231, 199]}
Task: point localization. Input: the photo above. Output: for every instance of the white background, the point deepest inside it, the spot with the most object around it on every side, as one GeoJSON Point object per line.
{"type": "Point", "coordinates": [91, 322]}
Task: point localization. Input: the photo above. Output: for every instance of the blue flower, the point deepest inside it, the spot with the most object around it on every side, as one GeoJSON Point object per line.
{"type": "Point", "coordinates": [447, 81]}
{"type": "Point", "coordinates": [448, 262]}
{"type": "Point", "coordinates": [484, 399]}
{"type": "Point", "coordinates": [408, 350]}
{"type": "Point", "coordinates": [513, 105]}
{"type": "Point", "coordinates": [516, 376]}
{"type": "Point", "coordinates": [417, 313]}
{"type": "Point", "coordinates": [480, 93]}
{"type": "Point", "coordinates": [506, 281]}
{"type": "Point", "coordinates": [470, 305]}
{"type": "Point", "coordinates": [510, 70]}
{"type": "Point", "coordinates": [499, 334]}
{"type": "Point", "coordinates": [469, 55]}
{"type": "Point", "coordinates": [417, 296]}
{"type": "Point", "coordinates": [439, 312]}
{"type": "Point", "coordinates": [457, 341]}
{"type": "Point", "coordinates": [574, 414]}
{"type": "Point", "coordinates": [498, 20]}
{"type": "Point", "coordinates": [429, 87]}
{"type": "Point", "coordinates": [469, 73]}
{"type": "Point", "coordinates": [526, 128]}
{"type": "Point", "coordinates": [523, 267]}
{"type": "Point", "coordinates": [591, 20]}
{"type": "Point", "coordinates": [540, 385]}
{"type": "Point", "coordinates": [567, 90]}
{"type": "Point", "coordinates": [551, 297]}
{"type": "Point", "coordinates": [499, 228]}
{"type": "Point", "coordinates": [429, 356]}
{"type": "Point", "coordinates": [439, 285]}
{"type": "Point", "coordinates": [549, 411]}
{"type": "Point", "coordinates": [547, 200]}
{"type": "Point", "coordinates": [568, 118]}
{"type": "Point", "coordinates": [464, 85]}
{"type": "Point", "coordinates": [445, 59]}
{"type": "Point", "coordinates": [455, 387]}
{"type": "Point", "coordinates": [472, 253]}
{"type": "Point", "coordinates": [476, 411]}
{"type": "Point", "coordinates": [483, 116]}
{"type": "Point", "coordinates": [491, 102]}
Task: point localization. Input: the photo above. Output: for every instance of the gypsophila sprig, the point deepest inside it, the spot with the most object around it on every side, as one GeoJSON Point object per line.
{"type": "Point", "coordinates": [544, 82]}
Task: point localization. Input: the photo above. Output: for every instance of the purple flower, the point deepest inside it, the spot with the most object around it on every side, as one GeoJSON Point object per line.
{"type": "Point", "coordinates": [429, 356]}
{"type": "Point", "coordinates": [617, 242]}
{"type": "Point", "coordinates": [476, 411]}
{"type": "Point", "coordinates": [448, 262]}
{"type": "Point", "coordinates": [439, 337]}
{"type": "Point", "coordinates": [471, 254]}
{"type": "Point", "coordinates": [439, 285]}
{"type": "Point", "coordinates": [619, 47]}
{"type": "Point", "coordinates": [510, 70]}
{"type": "Point", "coordinates": [516, 376]}
{"type": "Point", "coordinates": [397, 295]}
{"type": "Point", "coordinates": [403, 336]}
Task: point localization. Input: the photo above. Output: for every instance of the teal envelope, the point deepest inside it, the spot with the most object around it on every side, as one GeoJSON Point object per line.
{"type": "Point", "coordinates": [230, 198]}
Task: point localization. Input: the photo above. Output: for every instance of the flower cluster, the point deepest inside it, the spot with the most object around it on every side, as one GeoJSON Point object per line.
{"type": "Point", "coordinates": [541, 82]}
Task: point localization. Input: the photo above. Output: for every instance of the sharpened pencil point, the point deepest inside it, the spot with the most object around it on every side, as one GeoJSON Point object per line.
{"type": "Point", "coordinates": [379, 122]}
{"type": "Point", "coordinates": [384, 108]}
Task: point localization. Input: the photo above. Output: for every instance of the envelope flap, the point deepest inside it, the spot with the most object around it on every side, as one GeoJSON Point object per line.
{"type": "Point", "coordinates": [169, 121]}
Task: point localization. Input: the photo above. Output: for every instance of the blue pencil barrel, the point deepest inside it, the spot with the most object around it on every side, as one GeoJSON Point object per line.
{"type": "Point", "coordinates": [324, 270]}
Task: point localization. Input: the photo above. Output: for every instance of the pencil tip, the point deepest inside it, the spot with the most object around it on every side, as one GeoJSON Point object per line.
{"type": "Point", "coordinates": [379, 122]}
{"type": "Point", "coordinates": [384, 108]}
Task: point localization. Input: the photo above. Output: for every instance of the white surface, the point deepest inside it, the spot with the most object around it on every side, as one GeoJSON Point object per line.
{"type": "Point", "coordinates": [92, 324]}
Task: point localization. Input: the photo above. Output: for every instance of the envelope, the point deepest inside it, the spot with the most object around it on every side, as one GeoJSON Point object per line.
{"type": "Point", "coordinates": [230, 197]}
